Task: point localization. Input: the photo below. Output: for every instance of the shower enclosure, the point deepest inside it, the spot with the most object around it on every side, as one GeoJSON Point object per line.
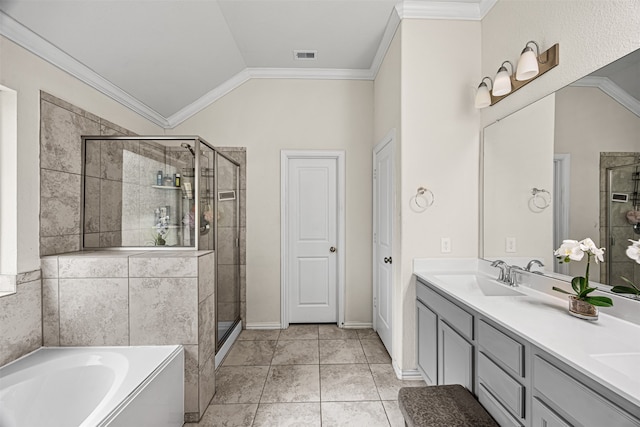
{"type": "Point", "coordinates": [166, 193]}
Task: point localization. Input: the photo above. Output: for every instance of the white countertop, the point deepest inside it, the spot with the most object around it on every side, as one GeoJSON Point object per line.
{"type": "Point", "coordinates": [544, 321]}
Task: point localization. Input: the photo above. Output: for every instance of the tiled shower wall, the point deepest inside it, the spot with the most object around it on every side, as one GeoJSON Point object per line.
{"type": "Point", "coordinates": [61, 127]}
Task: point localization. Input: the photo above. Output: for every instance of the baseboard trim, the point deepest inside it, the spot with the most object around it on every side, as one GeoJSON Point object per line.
{"type": "Point", "coordinates": [357, 325]}
{"type": "Point", "coordinates": [408, 374]}
{"type": "Point", "coordinates": [264, 325]}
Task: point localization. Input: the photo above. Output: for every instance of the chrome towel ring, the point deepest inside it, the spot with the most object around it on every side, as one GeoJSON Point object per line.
{"type": "Point", "coordinates": [541, 198]}
{"type": "Point", "coordinates": [423, 199]}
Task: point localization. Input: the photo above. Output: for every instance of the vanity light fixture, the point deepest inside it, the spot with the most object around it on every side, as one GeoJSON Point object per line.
{"type": "Point", "coordinates": [502, 81]}
{"type": "Point", "coordinates": [530, 67]}
{"type": "Point", "coordinates": [483, 97]}
{"type": "Point", "coordinates": [528, 62]}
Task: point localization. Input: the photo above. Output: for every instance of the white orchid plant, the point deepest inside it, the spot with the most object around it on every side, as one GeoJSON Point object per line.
{"type": "Point", "coordinates": [633, 252]}
{"type": "Point", "coordinates": [573, 250]}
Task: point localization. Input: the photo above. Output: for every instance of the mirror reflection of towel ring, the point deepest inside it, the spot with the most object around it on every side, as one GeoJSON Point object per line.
{"type": "Point", "coordinates": [541, 198]}
{"type": "Point", "coordinates": [423, 199]}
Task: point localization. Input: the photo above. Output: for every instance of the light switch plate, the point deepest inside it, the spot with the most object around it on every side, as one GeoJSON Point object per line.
{"type": "Point", "coordinates": [510, 245]}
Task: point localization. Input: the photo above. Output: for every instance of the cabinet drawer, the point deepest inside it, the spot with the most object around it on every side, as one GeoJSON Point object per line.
{"type": "Point", "coordinates": [545, 417]}
{"type": "Point", "coordinates": [507, 390]}
{"type": "Point", "coordinates": [502, 347]}
{"type": "Point", "coordinates": [583, 404]}
{"type": "Point", "coordinates": [494, 408]}
{"type": "Point", "coordinates": [455, 316]}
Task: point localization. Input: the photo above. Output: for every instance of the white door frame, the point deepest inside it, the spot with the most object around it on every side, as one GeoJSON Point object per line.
{"type": "Point", "coordinates": [390, 138]}
{"type": "Point", "coordinates": [285, 156]}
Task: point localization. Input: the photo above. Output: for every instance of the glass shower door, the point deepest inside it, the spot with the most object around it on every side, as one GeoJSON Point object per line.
{"type": "Point", "coordinates": [227, 202]}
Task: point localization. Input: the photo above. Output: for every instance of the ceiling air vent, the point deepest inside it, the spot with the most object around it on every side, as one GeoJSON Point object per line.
{"type": "Point", "coordinates": [305, 55]}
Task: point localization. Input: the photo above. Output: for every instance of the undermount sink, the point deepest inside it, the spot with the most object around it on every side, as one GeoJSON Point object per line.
{"type": "Point", "coordinates": [627, 364]}
{"type": "Point", "coordinates": [474, 283]}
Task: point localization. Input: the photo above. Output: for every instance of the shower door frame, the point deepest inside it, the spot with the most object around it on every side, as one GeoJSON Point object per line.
{"type": "Point", "coordinates": [609, 208]}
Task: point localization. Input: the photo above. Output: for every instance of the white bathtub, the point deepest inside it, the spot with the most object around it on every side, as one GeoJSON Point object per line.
{"type": "Point", "coordinates": [94, 386]}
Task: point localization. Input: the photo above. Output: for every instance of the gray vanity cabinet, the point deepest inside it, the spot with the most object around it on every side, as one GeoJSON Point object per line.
{"type": "Point", "coordinates": [518, 383]}
{"type": "Point", "coordinates": [445, 340]}
{"type": "Point", "coordinates": [563, 393]}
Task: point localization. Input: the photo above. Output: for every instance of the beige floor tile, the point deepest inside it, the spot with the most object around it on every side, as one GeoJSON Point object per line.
{"type": "Point", "coordinates": [299, 332]}
{"type": "Point", "coordinates": [292, 383]}
{"type": "Point", "coordinates": [250, 353]}
{"type": "Point", "coordinates": [240, 384]}
{"type": "Point", "coordinates": [259, 335]}
{"type": "Point", "coordinates": [352, 382]}
{"type": "Point", "coordinates": [393, 413]}
{"type": "Point", "coordinates": [288, 414]}
{"type": "Point", "coordinates": [388, 383]}
{"type": "Point", "coordinates": [375, 351]}
{"type": "Point", "coordinates": [361, 414]}
{"type": "Point", "coordinates": [234, 415]}
{"type": "Point", "coordinates": [332, 332]}
{"type": "Point", "coordinates": [367, 334]}
{"type": "Point", "coordinates": [296, 352]}
{"type": "Point", "coordinates": [341, 351]}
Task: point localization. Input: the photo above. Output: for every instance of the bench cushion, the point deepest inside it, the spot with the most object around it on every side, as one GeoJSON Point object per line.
{"type": "Point", "coordinates": [442, 406]}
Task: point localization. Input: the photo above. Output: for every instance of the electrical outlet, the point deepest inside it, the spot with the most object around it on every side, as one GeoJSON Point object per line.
{"type": "Point", "coordinates": [510, 245]}
{"type": "Point", "coordinates": [445, 245]}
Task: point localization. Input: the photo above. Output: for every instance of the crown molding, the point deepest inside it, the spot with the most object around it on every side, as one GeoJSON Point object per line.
{"type": "Point", "coordinates": [21, 35]}
{"type": "Point", "coordinates": [613, 90]}
{"type": "Point", "coordinates": [389, 32]}
{"type": "Point", "coordinates": [207, 99]}
{"type": "Point", "coordinates": [264, 73]}
{"type": "Point", "coordinates": [416, 9]}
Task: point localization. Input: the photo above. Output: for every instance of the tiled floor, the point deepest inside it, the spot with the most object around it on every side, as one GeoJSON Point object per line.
{"type": "Point", "coordinates": [307, 375]}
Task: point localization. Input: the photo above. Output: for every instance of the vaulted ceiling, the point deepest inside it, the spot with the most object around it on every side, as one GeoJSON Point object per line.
{"type": "Point", "coordinates": [167, 59]}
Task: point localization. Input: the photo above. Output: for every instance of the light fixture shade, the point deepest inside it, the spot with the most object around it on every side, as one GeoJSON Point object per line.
{"type": "Point", "coordinates": [483, 97]}
{"type": "Point", "coordinates": [502, 82]}
{"type": "Point", "coordinates": [527, 65]}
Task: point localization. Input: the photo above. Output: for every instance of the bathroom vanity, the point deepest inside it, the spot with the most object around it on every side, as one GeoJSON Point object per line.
{"type": "Point", "coordinates": [517, 349]}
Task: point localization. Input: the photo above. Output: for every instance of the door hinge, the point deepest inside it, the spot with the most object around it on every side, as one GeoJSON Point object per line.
{"type": "Point", "coordinates": [375, 302]}
{"type": "Point", "coordinates": [375, 238]}
{"type": "Point", "coordinates": [237, 242]}
{"type": "Point", "coordinates": [375, 173]}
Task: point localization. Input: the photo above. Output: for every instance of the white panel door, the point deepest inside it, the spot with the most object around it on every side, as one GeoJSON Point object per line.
{"type": "Point", "coordinates": [383, 241]}
{"type": "Point", "coordinates": [313, 212]}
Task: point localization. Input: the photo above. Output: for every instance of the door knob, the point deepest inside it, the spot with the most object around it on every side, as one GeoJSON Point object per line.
{"type": "Point", "coordinates": [387, 260]}
{"type": "Point", "coordinates": [332, 249]}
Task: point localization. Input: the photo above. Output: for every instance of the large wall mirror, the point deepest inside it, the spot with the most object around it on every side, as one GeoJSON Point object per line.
{"type": "Point", "coordinates": [568, 167]}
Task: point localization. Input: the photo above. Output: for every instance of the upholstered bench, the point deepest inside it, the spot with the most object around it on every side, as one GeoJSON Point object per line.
{"type": "Point", "coordinates": [442, 406]}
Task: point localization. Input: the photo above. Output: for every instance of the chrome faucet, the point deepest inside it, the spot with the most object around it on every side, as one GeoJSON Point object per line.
{"type": "Point", "coordinates": [513, 275]}
{"type": "Point", "coordinates": [503, 276]}
{"type": "Point", "coordinates": [532, 263]}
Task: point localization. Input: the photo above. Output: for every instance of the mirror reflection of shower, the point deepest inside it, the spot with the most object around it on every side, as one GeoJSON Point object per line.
{"type": "Point", "coordinates": [622, 200]}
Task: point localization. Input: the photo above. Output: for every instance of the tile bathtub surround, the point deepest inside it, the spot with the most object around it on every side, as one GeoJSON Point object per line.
{"type": "Point", "coordinates": [61, 127]}
{"type": "Point", "coordinates": [115, 297]}
{"type": "Point", "coordinates": [273, 377]}
{"type": "Point", "coordinates": [21, 318]}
